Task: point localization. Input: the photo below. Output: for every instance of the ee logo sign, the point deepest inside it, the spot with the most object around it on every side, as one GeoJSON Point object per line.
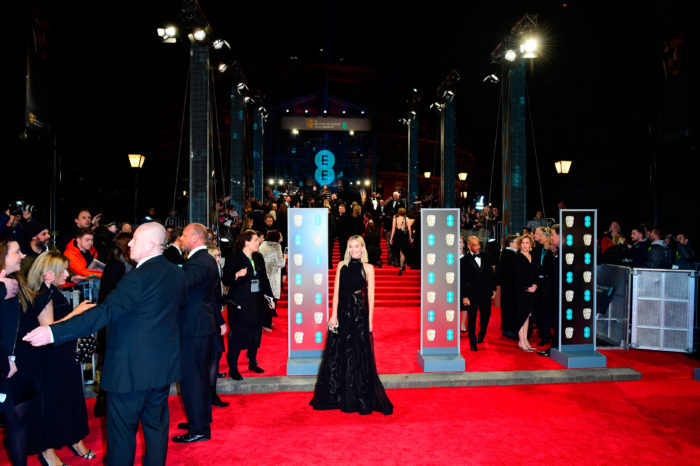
{"type": "Point", "coordinates": [324, 160]}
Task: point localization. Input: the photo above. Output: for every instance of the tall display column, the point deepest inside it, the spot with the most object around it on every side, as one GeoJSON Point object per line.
{"type": "Point", "coordinates": [200, 124]}
{"type": "Point", "coordinates": [307, 288]}
{"type": "Point", "coordinates": [577, 290]}
{"type": "Point", "coordinates": [439, 336]}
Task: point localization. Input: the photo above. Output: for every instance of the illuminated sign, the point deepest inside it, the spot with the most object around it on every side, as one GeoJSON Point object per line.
{"type": "Point", "coordinates": [325, 160]}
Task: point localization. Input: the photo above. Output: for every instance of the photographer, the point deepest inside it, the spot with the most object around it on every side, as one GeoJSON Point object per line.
{"type": "Point", "coordinates": [13, 219]}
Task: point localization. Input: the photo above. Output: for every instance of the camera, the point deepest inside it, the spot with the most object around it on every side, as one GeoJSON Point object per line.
{"type": "Point", "coordinates": [19, 206]}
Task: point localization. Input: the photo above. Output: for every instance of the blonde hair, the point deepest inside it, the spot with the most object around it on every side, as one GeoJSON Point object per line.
{"type": "Point", "coordinates": [360, 240]}
{"type": "Point", "coordinates": [520, 240]}
{"type": "Point", "coordinates": [50, 261]}
{"type": "Point", "coordinates": [546, 235]}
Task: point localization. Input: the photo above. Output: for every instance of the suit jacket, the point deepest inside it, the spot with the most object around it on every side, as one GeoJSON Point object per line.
{"type": "Point", "coordinates": [197, 313]}
{"type": "Point", "coordinates": [252, 305]}
{"type": "Point", "coordinates": [173, 255]}
{"type": "Point", "coordinates": [143, 348]}
{"type": "Point", "coordinates": [476, 282]}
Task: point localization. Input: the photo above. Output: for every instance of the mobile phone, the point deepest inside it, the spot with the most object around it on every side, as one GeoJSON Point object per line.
{"type": "Point", "coordinates": [286, 250]}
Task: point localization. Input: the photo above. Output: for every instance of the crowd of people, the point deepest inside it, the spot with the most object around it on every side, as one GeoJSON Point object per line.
{"type": "Point", "coordinates": [162, 292]}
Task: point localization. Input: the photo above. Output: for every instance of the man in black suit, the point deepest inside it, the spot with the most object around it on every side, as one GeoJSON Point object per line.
{"type": "Point", "coordinates": [342, 229]}
{"type": "Point", "coordinates": [197, 331]}
{"type": "Point", "coordinates": [174, 252]}
{"type": "Point", "coordinates": [143, 350]}
{"type": "Point", "coordinates": [478, 289]}
{"type": "Point", "coordinates": [393, 206]}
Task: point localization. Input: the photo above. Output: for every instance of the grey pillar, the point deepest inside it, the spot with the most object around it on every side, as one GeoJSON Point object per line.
{"type": "Point", "coordinates": [447, 155]}
{"type": "Point", "coordinates": [412, 161]}
{"type": "Point", "coordinates": [200, 124]}
{"type": "Point", "coordinates": [514, 166]}
{"type": "Point", "coordinates": [237, 186]}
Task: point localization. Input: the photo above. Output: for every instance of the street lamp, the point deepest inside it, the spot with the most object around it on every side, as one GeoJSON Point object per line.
{"type": "Point", "coordinates": [462, 176]}
{"type": "Point", "coordinates": [563, 166]}
{"type": "Point", "coordinates": [136, 162]}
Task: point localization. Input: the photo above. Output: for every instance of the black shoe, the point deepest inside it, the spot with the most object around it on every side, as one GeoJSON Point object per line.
{"type": "Point", "coordinates": [221, 375]}
{"type": "Point", "coordinates": [218, 402]}
{"type": "Point", "coordinates": [400, 271]}
{"type": "Point", "coordinates": [87, 456]}
{"type": "Point", "coordinates": [256, 369]}
{"type": "Point", "coordinates": [473, 347]}
{"type": "Point", "coordinates": [235, 375]}
{"type": "Point", "coordinates": [480, 339]}
{"type": "Point", "coordinates": [191, 438]}
{"type": "Point", "coordinates": [543, 353]}
{"type": "Point", "coordinates": [184, 426]}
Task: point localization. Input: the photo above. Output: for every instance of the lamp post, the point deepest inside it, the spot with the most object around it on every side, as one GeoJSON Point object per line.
{"type": "Point", "coordinates": [136, 162]}
{"type": "Point", "coordinates": [562, 167]}
{"type": "Point", "coordinates": [462, 176]}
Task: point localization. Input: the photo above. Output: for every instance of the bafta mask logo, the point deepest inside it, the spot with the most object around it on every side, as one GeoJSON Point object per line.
{"type": "Point", "coordinates": [569, 314]}
{"type": "Point", "coordinates": [298, 259]}
{"type": "Point", "coordinates": [450, 259]}
{"type": "Point", "coordinates": [431, 316]}
{"type": "Point", "coordinates": [297, 279]}
{"type": "Point", "coordinates": [569, 332]}
{"type": "Point", "coordinates": [586, 332]}
{"type": "Point", "coordinates": [587, 276]}
{"type": "Point", "coordinates": [318, 278]}
{"type": "Point", "coordinates": [317, 220]}
{"type": "Point", "coordinates": [297, 240]}
{"type": "Point", "coordinates": [450, 220]}
{"type": "Point", "coordinates": [569, 295]}
{"type": "Point", "coordinates": [318, 317]}
{"type": "Point", "coordinates": [298, 337]}
{"type": "Point", "coordinates": [450, 334]}
{"type": "Point", "coordinates": [297, 220]}
{"type": "Point", "coordinates": [587, 239]}
{"type": "Point", "coordinates": [569, 258]}
{"type": "Point", "coordinates": [298, 298]}
{"type": "Point", "coordinates": [431, 296]}
{"type": "Point", "coordinates": [431, 259]}
{"type": "Point", "coordinates": [450, 277]}
{"type": "Point", "coordinates": [431, 240]}
{"type": "Point", "coordinates": [318, 298]}
{"type": "Point", "coordinates": [450, 239]}
{"type": "Point", "coordinates": [431, 220]}
{"type": "Point", "coordinates": [450, 296]}
{"type": "Point", "coordinates": [431, 277]}
{"type": "Point", "coordinates": [319, 337]}
{"type": "Point", "coordinates": [431, 334]}
{"type": "Point", "coordinates": [450, 315]}
{"type": "Point", "coordinates": [317, 240]}
{"type": "Point", "coordinates": [569, 221]}
{"type": "Point", "coordinates": [297, 317]}
{"type": "Point", "coordinates": [587, 313]}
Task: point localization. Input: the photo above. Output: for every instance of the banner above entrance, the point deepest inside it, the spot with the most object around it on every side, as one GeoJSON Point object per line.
{"type": "Point", "coordinates": [325, 124]}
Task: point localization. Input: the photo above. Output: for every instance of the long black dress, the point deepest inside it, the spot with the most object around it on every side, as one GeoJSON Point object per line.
{"type": "Point", "coordinates": [64, 418]}
{"type": "Point", "coordinates": [508, 293]}
{"type": "Point", "coordinates": [347, 377]}
{"type": "Point", "coordinates": [525, 276]}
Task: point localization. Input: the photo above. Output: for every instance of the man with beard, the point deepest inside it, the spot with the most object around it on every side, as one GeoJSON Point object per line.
{"type": "Point", "coordinates": [39, 236]}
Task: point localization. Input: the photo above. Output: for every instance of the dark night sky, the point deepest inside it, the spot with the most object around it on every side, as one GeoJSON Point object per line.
{"type": "Point", "coordinates": [597, 94]}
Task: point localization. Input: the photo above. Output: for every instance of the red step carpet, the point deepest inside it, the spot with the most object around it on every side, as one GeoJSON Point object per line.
{"type": "Point", "coordinates": [651, 421]}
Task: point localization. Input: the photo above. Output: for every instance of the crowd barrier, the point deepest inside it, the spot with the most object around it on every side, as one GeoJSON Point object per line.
{"type": "Point", "coordinates": [76, 294]}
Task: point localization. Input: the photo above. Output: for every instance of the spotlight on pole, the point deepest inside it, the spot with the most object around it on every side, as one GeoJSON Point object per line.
{"type": "Point", "coordinates": [222, 67]}
{"type": "Point", "coordinates": [220, 43]}
{"type": "Point", "coordinates": [492, 78]}
{"type": "Point", "coordinates": [199, 34]}
{"type": "Point", "coordinates": [510, 55]}
{"type": "Point", "coordinates": [168, 34]}
{"type": "Point", "coordinates": [529, 48]}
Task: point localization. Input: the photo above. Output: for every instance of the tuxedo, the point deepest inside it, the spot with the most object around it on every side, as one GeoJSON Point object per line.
{"type": "Point", "coordinates": [372, 206]}
{"type": "Point", "coordinates": [174, 255]}
{"type": "Point", "coordinates": [343, 228]}
{"type": "Point", "coordinates": [142, 357]}
{"type": "Point", "coordinates": [198, 328]}
{"type": "Point", "coordinates": [392, 207]}
{"type": "Point", "coordinates": [477, 284]}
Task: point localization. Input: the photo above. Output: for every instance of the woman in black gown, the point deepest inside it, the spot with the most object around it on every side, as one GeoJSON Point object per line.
{"type": "Point", "coordinates": [248, 301]}
{"type": "Point", "coordinates": [401, 238]}
{"type": "Point", "coordinates": [347, 376]}
{"type": "Point", "coordinates": [372, 241]}
{"type": "Point", "coordinates": [62, 420]}
{"type": "Point", "coordinates": [19, 361]}
{"type": "Point", "coordinates": [506, 278]}
{"type": "Point", "coordinates": [525, 270]}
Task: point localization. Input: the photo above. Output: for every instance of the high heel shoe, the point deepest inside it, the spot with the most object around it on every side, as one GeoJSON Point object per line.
{"type": "Point", "coordinates": [87, 456]}
{"type": "Point", "coordinates": [43, 460]}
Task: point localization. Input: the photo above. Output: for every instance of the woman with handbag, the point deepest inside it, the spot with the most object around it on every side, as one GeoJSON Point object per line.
{"type": "Point", "coordinates": [62, 420]}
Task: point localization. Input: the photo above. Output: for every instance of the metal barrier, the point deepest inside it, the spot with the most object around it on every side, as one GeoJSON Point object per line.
{"type": "Point", "coordinates": [613, 298]}
{"type": "Point", "coordinates": [664, 309]}
{"type": "Point", "coordinates": [75, 295]}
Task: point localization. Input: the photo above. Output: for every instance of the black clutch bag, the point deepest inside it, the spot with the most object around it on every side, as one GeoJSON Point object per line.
{"type": "Point", "coordinates": [84, 349]}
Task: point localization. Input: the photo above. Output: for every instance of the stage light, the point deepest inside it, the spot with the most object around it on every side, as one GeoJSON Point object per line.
{"type": "Point", "coordinates": [366, 182]}
{"type": "Point", "coordinates": [325, 112]}
{"type": "Point", "coordinates": [306, 111]}
{"type": "Point", "coordinates": [462, 176]}
{"type": "Point", "coordinates": [344, 112]}
{"type": "Point", "coordinates": [295, 131]}
{"type": "Point", "coordinates": [529, 48]}
{"type": "Point", "coordinates": [510, 55]}
{"type": "Point", "coordinates": [362, 112]}
{"type": "Point", "coordinates": [563, 166]}
{"type": "Point", "coordinates": [426, 175]}
{"type": "Point", "coordinates": [351, 132]}
{"type": "Point", "coordinates": [199, 34]}
{"type": "Point", "coordinates": [241, 86]}
{"type": "Point", "coordinates": [219, 44]}
{"type": "Point", "coordinates": [168, 34]}
{"type": "Point", "coordinates": [248, 99]}
{"type": "Point", "coordinates": [287, 111]}
{"type": "Point", "coordinates": [492, 78]}
{"type": "Point", "coordinates": [222, 67]}
{"type": "Point", "coordinates": [270, 181]}
{"type": "Point", "coordinates": [280, 182]}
